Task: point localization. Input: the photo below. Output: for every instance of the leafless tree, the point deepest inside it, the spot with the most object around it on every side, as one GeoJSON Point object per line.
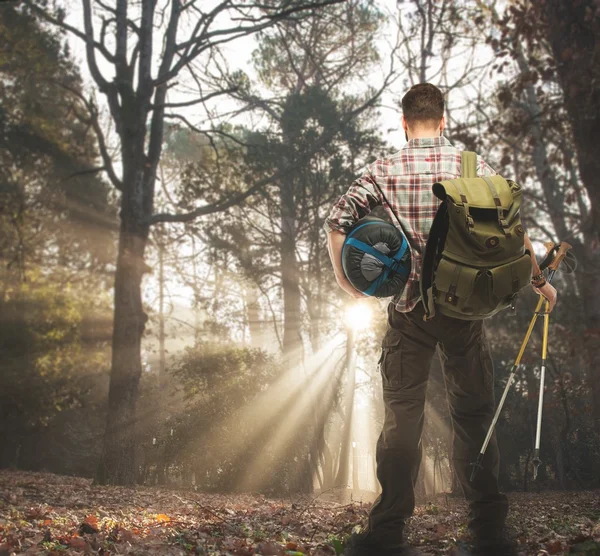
{"type": "Point", "coordinates": [149, 48]}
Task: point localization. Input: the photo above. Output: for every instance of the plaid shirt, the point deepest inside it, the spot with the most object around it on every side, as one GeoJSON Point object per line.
{"type": "Point", "coordinates": [405, 178]}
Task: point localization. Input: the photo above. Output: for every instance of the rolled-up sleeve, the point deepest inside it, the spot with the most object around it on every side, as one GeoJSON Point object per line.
{"type": "Point", "coordinates": [360, 199]}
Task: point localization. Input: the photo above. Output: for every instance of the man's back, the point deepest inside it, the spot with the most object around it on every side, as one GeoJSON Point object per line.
{"type": "Point", "coordinates": [406, 179]}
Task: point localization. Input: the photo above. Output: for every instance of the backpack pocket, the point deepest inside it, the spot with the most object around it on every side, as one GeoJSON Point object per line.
{"type": "Point", "coordinates": [470, 293]}
{"type": "Point", "coordinates": [508, 279]}
{"type": "Point", "coordinates": [457, 289]}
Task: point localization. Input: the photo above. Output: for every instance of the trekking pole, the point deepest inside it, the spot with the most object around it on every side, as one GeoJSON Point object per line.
{"type": "Point", "coordinates": [553, 267]}
{"type": "Point", "coordinates": [550, 247]}
{"type": "Point", "coordinates": [538, 431]}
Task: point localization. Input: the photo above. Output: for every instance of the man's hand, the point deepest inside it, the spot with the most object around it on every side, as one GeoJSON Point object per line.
{"type": "Point", "coordinates": [335, 242]}
{"type": "Point", "coordinates": [350, 289]}
{"type": "Point", "coordinates": [549, 292]}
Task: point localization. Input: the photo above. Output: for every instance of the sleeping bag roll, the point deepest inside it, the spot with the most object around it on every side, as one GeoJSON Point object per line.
{"type": "Point", "coordinates": [376, 257]}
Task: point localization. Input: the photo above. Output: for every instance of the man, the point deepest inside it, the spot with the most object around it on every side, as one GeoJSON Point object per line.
{"type": "Point", "coordinates": [409, 344]}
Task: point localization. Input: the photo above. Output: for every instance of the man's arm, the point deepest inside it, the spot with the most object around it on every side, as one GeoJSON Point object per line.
{"type": "Point", "coordinates": [359, 200]}
{"type": "Point", "coordinates": [547, 290]}
{"type": "Point", "coordinates": [335, 242]}
{"type": "Point", "coordinates": [535, 267]}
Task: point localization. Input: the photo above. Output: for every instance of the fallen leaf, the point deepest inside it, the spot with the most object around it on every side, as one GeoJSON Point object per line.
{"type": "Point", "coordinates": [440, 529]}
{"type": "Point", "coordinates": [554, 547]}
{"type": "Point", "coordinates": [269, 549]}
{"type": "Point", "coordinates": [91, 520]}
{"type": "Point", "coordinates": [125, 535]}
{"type": "Point", "coordinates": [78, 543]}
{"type": "Point", "coordinates": [88, 527]}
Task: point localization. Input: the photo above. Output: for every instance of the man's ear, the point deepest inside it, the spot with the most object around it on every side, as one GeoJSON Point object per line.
{"type": "Point", "coordinates": [442, 124]}
{"type": "Point", "coordinates": [404, 124]}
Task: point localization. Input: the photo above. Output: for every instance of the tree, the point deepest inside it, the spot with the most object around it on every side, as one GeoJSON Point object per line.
{"type": "Point", "coordinates": [48, 185]}
{"type": "Point", "coordinates": [572, 31]}
{"type": "Point", "coordinates": [536, 124]}
{"type": "Point", "coordinates": [137, 102]}
{"type": "Point", "coordinates": [56, 237]}
{"type": "Point", "coordinates": [315, 126]}
{"type": "Point", "coordinates": [309, 106]}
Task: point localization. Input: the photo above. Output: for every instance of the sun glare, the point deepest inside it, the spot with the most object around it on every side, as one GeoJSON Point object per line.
{"type": "Point", "coordinates": [358, 316]}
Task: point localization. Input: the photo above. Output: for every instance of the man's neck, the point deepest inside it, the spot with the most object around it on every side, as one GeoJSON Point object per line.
{"type": "Point", "coordinates": [424, 134]}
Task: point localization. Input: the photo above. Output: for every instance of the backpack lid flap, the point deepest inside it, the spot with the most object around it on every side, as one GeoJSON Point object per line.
{"type": "Point", "coordinates": [476, 190]}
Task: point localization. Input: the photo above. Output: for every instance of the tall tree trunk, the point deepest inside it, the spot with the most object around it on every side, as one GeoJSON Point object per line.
{"type": "Point", "coordinates": [292, 339]}
{"type": "Point", "coordinates": [526, 470]}
{"type": "Point", "coordinates": [117, 464]}
{"type": "Point", "coordinates": [572, 31]}
{"type": "Point", "coordinates": [342, 476]}
{"type": "Point", "coordinates": [162, 375]}
{"type": "Point", "coordinates": [328, 464]}
{"type": "Point", "coordinates": [355, 483]}
{"type": "Point", "coordinates": [161, 316]}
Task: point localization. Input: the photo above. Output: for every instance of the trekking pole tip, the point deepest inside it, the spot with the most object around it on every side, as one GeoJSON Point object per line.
{"type": "Point", "coordinates": [476, 465]}
{"type": "Point", "coordinates": [536, 464]}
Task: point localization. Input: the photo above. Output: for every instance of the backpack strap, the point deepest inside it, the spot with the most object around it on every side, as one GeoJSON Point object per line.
{"type": "Point", "coordinates": [434, 246]}
{"type": "Point", "coordinates": [469, 170]}
{"type": "Point", "coordinates": [501, 220]}
{"type": "Point", "coordinates": [468, 167]}
{"type": "Point", "coordinates": [468, 164]}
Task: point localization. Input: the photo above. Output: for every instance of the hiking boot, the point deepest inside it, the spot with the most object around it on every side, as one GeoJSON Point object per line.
{"type": "Point", "coordinates": [502, 544]}
{"type": "Point", "coordinates": [361, 544]}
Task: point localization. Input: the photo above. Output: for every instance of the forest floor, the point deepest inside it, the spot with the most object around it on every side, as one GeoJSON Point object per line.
{"type": "Point", "coordinates": [42, 513]}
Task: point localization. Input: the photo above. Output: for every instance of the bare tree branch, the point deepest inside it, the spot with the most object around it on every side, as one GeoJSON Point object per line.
{"type": "Point", "coordinates": [92, 120]}
{"type": "Point", "coordinates": [239, 198]}
{"type": "Point", "coordinates": [90, 47]}
{"type": "Point", "coordinates": [199, 43]}
{"type": "Point", "coordinates": [195, 101]}
{"type": "Point", "coordinates": [73, 30]}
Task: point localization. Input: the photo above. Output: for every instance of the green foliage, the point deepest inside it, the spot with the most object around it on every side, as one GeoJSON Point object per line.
{"type": "Point", "coordinates": [45, 362]}
{"type": "Point", "coordinates": [210, 438]}
{"type": "Point", "coordinates": [46, 151]}
{"type": "Point", "coordinates": [316, 47]}
{"type": "Point", "coordinates": [204, 369]}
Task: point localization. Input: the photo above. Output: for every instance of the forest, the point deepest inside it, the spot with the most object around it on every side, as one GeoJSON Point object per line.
{"type": "Point", "coordinates": [179, 370]}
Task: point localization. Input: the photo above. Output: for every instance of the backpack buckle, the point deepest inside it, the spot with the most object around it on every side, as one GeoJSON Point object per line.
{"type": "Point", "coordinates": [451, 295]}
{"type": "Point", "coordinates": [470, 223]}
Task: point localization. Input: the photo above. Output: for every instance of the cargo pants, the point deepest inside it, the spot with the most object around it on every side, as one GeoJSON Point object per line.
{"type": "Point", "coordinates": [408, 347]}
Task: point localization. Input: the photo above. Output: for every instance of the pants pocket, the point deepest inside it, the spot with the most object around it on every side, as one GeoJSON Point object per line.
{"type": "Point", "coordinates": [390, 365]}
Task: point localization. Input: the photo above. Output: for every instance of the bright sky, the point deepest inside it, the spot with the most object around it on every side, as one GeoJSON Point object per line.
{"type": "Point", "coordinates": [238, 55]}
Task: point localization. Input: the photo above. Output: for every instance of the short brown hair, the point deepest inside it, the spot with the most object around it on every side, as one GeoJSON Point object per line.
{"type": "Point", "coordinates": [423, 104]}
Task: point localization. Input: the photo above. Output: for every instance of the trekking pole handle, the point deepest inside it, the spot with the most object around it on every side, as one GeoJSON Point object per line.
{"type": "Point", "coordinates": [563, 247]}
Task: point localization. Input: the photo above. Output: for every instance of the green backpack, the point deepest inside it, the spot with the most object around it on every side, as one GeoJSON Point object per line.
{"type": "Point", "coordinates": [475, 261]}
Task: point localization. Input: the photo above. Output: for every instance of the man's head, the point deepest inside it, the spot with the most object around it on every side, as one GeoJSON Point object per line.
{"type": "Point", "coordinates": [423, 111]}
